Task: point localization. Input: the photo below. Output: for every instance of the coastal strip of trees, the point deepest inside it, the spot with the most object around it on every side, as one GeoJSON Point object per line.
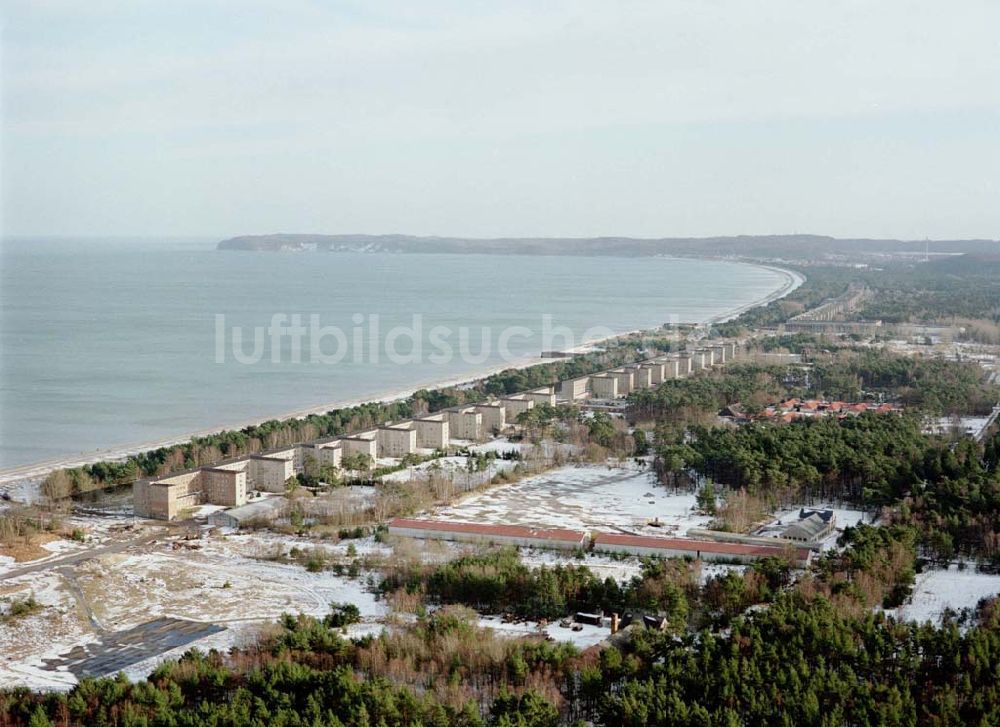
{"type": "Point", "coordinates": [213, 448]}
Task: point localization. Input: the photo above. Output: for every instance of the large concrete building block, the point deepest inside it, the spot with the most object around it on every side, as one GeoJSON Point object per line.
{"type": "Point", "coordinates": [541, 396]}
{"type": "Point", "coordinates": [686, 360]}
{"type": "Point", "coordinates": [324, 453]}
{"type": "Point", "coordinates": [465, 423]}
{"type": "Point", "coordinates": [574, 389]}
{"type": "Point", "coordinates": [361, 443]}
{"type": "Point", "coordinates": [494, 416]}
{"type": "Point", "coordinates": [626, 381]}
{"type": "Point", "coordinates": [397, 440]}
{"type": "Point", "coordinates": [656, 371]}
{"type": "Point", "coordinates": [226, 487]}
{"type": "Point", "coordinates": [433, 431]}
{"type": "Point", "coordinates": [604, 386]}
{"type": "Point", "coordinates": [672, 368]}
{"type": "Point", "coordinates": [642, 377]}
{"type": "Point", "coordinates": [270, 473]}
{"type": "Point", "coordinates": [515, 405]}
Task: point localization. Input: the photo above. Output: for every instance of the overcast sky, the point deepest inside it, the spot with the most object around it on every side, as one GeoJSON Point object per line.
{"type": "Point", "coordinates": [173, 117]}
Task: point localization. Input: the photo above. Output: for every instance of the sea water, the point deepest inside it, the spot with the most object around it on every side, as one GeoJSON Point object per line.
{"type": "Point", "coordinates": [106, 343]}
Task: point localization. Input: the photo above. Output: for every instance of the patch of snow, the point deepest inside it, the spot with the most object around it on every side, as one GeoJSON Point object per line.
{"type": "Point", "coordinates": [938, 589]}
{"type": "Point", "coordinates": [25, 491]}
{"type": "Point", "coordinates": [26, 641]}
{"type": "Point", "coordinates": [499, 446]}
{"type": "Point", "coordinates": [586, 637]}
{"type": "Point", "coordinates": [601, 565]}
{"type": "Point", "coordinates": [206, 510]}
{"type": "Point", "coordinates": [713, 570]}
{"type": "Point", "coordinates": [583, 498]}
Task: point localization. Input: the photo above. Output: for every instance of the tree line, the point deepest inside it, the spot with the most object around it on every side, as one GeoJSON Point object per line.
{"type": "Point", "coordinates": [213, 448]}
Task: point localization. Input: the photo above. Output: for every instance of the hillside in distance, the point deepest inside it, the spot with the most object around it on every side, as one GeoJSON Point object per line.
{"type": "Point", "coordinates": [790, 247]}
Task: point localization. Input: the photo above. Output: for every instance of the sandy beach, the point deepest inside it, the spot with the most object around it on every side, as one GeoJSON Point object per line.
{"type": "Point", "coordinates": [18, 482]}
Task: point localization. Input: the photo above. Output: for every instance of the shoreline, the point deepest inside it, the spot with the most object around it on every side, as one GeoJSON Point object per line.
{"type": "Point", "coordinates": [12, 477]}
{"type": "Point", "coordinates": [794, 279]}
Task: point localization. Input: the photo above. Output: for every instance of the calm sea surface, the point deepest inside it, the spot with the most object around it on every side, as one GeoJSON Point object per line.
{"type": "Point", "coordinates": [109, 343]}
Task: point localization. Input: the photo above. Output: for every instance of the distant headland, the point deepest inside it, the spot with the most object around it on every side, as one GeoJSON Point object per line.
{"type": "Point", "coordinates": [791, 247]}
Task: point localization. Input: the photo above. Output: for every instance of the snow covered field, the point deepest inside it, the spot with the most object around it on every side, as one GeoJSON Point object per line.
{"type": "Point", "coordinates": [54, 629]}
{"type": "Point", "coordinates": [940, 589]}
{"type": "Point", "coordinates": [586, 637]}
{"type": "Point", "coordinates": [713, 570]}
{"type": "Point", "coordinates": [444, 465]}
{"type": "Point", "coordinates": [241, 582]}
{"type": "Point", "coordinates": [219, 581]}
{"type": "Point", "coordinates": [583, 498]}
{"type": "Point", "coordinates": [970, 426]}
{"type": "Point", "coordinates": [96, 531]}
{"type": "Point", "coordinates": [602, 565]}
{"type": "Point", "coordinates": [500, 445]}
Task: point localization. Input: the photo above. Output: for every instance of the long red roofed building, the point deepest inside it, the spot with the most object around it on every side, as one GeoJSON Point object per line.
{"type": "Point", "coordinates": [480, 533]}
{"type": "Point", "coordinates": [699, 549]}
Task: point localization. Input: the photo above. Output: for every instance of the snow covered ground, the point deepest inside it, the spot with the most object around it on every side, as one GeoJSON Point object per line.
{"type": "Point", "coordinates": [240, 581]}
{"type": "Point", "coordinates": [713, 570]}
{"type": "Point", "coordinates": [938, 589]}
{"type": "Point", "coordinates": [586, 637]}
{"type": "Point", "coordinates": [500, 445]}
{"type": "Point", "coordinates": [583, 498]}
{"type": "Point", "coordinates": [25, 491]}
{"type": "Point", "coordinates": [602, 565]}
{"type": "Point", "coordinates": [221, 580]}
{"type": "Point", "coordinates": [55, 628]}
{"type": "Point", "coordinates": [444, 465]}
{"type": "Point", "coordinates": [97, 531]}
{"type": "Point", "coordinates": [971, 426]}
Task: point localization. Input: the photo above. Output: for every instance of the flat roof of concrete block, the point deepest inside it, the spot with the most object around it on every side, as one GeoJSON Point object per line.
{"type": "Point", "coordinates": [403, 426]}
{"type": "Point", "coordinates": [165, 480]}
{"type": "Point", "coordinates": [502, 531]}
{"type": "Point", "coordinates": [330, 443]}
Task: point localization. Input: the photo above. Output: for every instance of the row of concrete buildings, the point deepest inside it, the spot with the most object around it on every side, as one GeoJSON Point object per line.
{"type": "Point", "coordinates": [836, 316]}
{"type": "Point", "coordinates": [624, 543]}
{"type": "Point", "coordinates": [619, 383]}
{"type": "Point", "coordinates": [229, 483]}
